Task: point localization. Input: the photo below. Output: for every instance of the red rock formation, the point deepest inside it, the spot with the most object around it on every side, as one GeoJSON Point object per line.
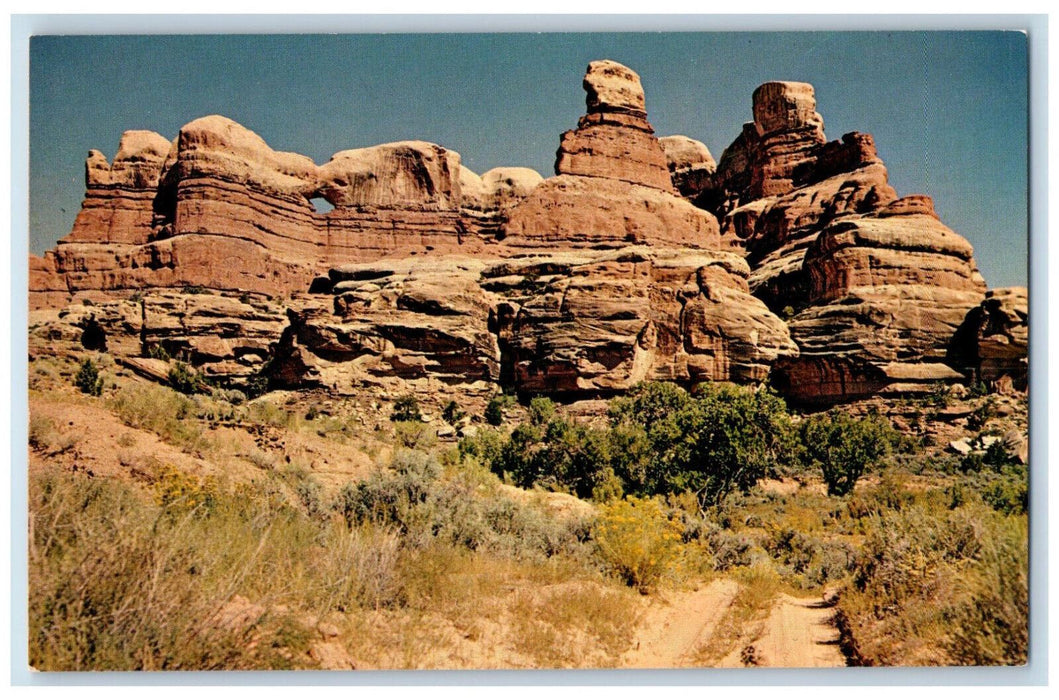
{"type": "Point", "coordinates": [878, 284]}
{"type": "Point", "coordinates": [119, 198]}
{"type": "Point", "coordinates": [992, 343]}
{"type": "Point", "coordinates": [222, 336]}
{"type": "Point", "coordinates": [220, 209]}
{"type": "Point", "coordinates": [691, 165]}
{"type": "Point", "coordinates": [579, 323]}
{"type": "Point", "coordinates": [613, 186]}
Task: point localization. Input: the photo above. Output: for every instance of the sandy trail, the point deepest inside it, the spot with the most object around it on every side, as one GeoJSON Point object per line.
{"type": "Point", "coordinates": [672, 630]}
{"type": "Point", "coordinates": [799, 634]}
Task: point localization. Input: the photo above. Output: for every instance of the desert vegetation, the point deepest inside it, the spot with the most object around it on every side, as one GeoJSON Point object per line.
{"type": "Point", "coordinates": [539, 542]}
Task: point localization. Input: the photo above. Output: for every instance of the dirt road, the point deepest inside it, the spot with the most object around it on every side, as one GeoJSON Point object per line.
{"type": "Point", "coordinates": [673, 629]}
{"type": "Point", "coordinates": [798, 632]}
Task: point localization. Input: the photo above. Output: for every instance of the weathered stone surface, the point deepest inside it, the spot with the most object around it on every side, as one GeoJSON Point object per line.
{"type": "Point", "coordinates": [119, 198]}
{"type": "Point", "coordinates": [577, 212]}
{"type": "Point", "coordinates": [599, 324]}
{"type": "Point", "coordinates": [223, 336]}
{"type": "Point", "coordinates": [220, 209]}
{"type": "Point", "coordinates": [413, 319]}
{"type": "Point", "coordinates": [641, 259]}
{"type": "Point", "coordinates": [568, 323]}
{"type": "Point", "coordinates": [613, 187]}
{"type": "Point", "coordinates": [612, 87]}
{"type": "Point", "coordinates": [691, 165]}
{"type": "Point", "coordinates": [993, 341]}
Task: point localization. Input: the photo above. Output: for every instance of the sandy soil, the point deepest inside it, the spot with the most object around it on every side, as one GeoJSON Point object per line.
{"type": "Point", "coordinates": [672, 629]}
{"type": "Point", "coordinates": [798, 633]}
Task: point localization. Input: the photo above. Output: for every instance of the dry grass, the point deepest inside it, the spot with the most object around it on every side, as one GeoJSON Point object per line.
{"type": "Point", "coordinates": [759, 585]}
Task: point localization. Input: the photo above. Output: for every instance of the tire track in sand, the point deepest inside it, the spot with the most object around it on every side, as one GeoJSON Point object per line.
{"type": "Point", "coordinates": [799, 633]}
{"type": "Point", "coordinates": [672, 630]}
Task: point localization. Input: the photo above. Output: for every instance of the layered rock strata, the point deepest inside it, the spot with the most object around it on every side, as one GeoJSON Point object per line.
{"type": "Point", "coordinates": [575, 323]}
{"type": "Point", "coordinates": [992, 343]}
{"type": "Point", "coordinates": [641, 258]}
{"type": "Point", "coordinates": [225, 337]}
{"type": "Point", "coordinates": [874, 285]}
{"type": "Point", "coordinates": [219, 208]}
{"type": "Point", "coordinates": [613, 186]}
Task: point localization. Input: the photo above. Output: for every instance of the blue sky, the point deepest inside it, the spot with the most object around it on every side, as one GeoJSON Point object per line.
{"type": "Point", "coordinates": [948, 109]}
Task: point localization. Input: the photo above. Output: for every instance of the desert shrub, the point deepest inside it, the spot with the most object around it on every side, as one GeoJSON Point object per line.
{"type": "Point", "coordinates": [843, 447]}
{"type": "Point", "coordinates": [730, 550]}
{"type": "Point", "coordinates": [158, 352]}
{"type": "Point", "coordinates": [494, 410]}
{"type": "Point", "coordinates": [42, 431]}
{"type": "Point", "coordinates": [415, 435]}
{"type": "Point", "coordinates": [180, 492]}
{"type": "Point", "coordinates": [723, 438]}
{"type": "Point", "coordinates": [163, 412]}
{"type": "Point", "coordinates": [1007, 491]}
{"type": "Point", "coordinates": [939, 588]}
{"type": "Point", "coordinates": [638, 541]}
{"type": "Point", "coordinates": [452, 413]}
{"type": "Point", "coordinates": [257, 385]}
{"type": "Point", "coordinates": [187, 380]}
{"type": "Point", "coordinates": [484, 446]}
{"type": "Point", "coordinates": [418, 500]}
{"type": "Point", "coordinates": [991, 627]}
{"type": "Point", "coordinates": [982, 414]}
{"type": "Point", "coordinates": [890, 494]}
{"type": "Point", "coordinates": [88, 378]}
{"type": "Point", "coordinates": [117, 583]}
{"type": "Point", "coordinates": [232, 396]}
{"type": "Point", "coordinates": [541, 410]}
{"type": "Point", "coordinates": [406, 410]}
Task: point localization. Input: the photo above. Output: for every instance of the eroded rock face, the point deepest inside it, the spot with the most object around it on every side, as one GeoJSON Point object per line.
{"type": "Point", "coordinates": [613, 186]}
{"type": "Point", "coordinates": [119, 197]}
{"type": "Point", "coordinates": [992, 343]}
{"type": "Point", "coordinates": [218, 208]}
{"type": "Point", "coordinates": [223, 336]}
{"type": "Point", "coordinates": [640, 259]}
{"type": "Point", "coordinates": [874, 285]}
{"type": "Point", "coordinates": [576, 323]}
{"type": "Point", "coordinates": [691, 165]}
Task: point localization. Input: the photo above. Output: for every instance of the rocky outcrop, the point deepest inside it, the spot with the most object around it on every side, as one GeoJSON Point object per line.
{"type": "Point", "coordinates": [640, 259]}
{"type": "Point", "coordinates": [691, 165]}
{"type": "Point", "coordinates": [595, 324]}
{"type": "Point", "coordinates": [873, 285]}
{"type": "Point", "coordinates": [612, 186]}
{"type": "Point", "coordinates": [218, 208]}
{"type": "Point", "coordinates": [576, 323]}
{"type": "Point", "coordinates": [225, 337]}
{"type": "Point", "coordinates": [119, 197]}
{"type": "Point", "coordinates": [992, 343]}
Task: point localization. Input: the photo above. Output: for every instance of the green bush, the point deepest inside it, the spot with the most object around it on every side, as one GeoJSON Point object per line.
{"type": "Point", "coordinates": [541, 410]}
{"type": "Point", "coordinates": [406, 410]}
{"type": "Point", "coordinates": [452, 413]}
{"type": "Point", "coordinates": [843, 447]}
{"type": "Point", "coordinates": [494, 410]}
{"type": "Point", "coordinates": [718, 440]}
{"type": "Point", "coordinates": [88, 379]}
{"type": "Point", "coordinates": [187, 380]}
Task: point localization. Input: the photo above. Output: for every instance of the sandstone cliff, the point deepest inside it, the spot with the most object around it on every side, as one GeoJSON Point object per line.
{"type": "Point", "coordinates": [641, 258]}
